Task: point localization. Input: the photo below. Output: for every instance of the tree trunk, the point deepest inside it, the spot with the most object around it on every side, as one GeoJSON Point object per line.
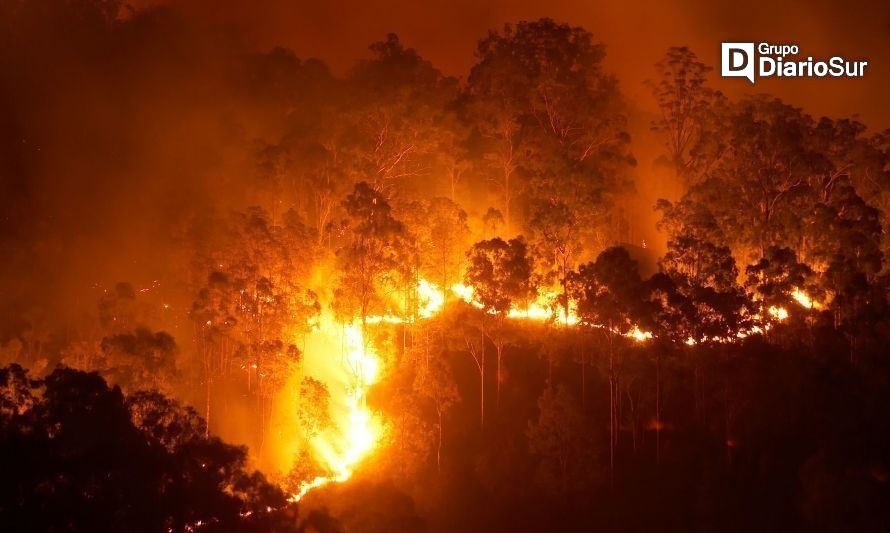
{"type": "Point", "coordinates": [207, 408]}
{"type": "Point", "coordinates": [439, 445]}
{"type": "Point", "coordinates": [657, 407]}
{"type": "Point", "coordinates": [482, 378]}
{"type": "Point", "coordinates": [500, 352]}
{"type": "Point", "coordinates": [583, 375]}
{"type": "Point", "coordinates": [612, 428]}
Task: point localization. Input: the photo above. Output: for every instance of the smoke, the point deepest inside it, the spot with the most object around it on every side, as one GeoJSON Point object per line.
{"type": "Point", "coordinates": [112, 136]}
{"type": "Point", "coordinates": [115, 136]}
{"type": "Point", "coordinates": [636, 35]}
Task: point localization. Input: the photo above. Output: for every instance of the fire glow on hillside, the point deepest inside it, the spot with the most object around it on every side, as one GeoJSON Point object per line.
{"type": "Point", "coordinates": [357, 430]}
{"type": "Point", "coordinates": [286, 269]}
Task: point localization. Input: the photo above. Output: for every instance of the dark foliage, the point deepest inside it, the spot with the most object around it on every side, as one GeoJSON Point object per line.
{"type": "Point", "coordinates": [78, 456]}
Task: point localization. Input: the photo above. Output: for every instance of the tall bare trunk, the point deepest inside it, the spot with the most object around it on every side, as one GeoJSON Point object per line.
{"type": "Point", "coordinates": [612, 428]}
{"type": "Point", "coordinates": [439, 444]}
{"type": "Point", "coordinates": [583, 375]}
{"type": "Point", "coordinates": [500, 352]}
{"type": "Point", "coordinates": [657, 407]}
{"type": "Point", "coordinates": [207, 408]}
{"type": "Point", "coordinates": [482, 378]}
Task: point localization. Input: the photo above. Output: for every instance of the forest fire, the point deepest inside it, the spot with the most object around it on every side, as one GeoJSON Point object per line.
{"type": "Point", "coordinates": [431, 299]}
{"type": "Point", "coordinates": [354, 430]}
{"type": "Point", "coordinates": [779, 313]}
{"type": "Point", "coordinates": [357, 430]}
{"type": "Point", "coordinates": [566, 278]}
{"type": "Point", "coordinates": [804, 299]}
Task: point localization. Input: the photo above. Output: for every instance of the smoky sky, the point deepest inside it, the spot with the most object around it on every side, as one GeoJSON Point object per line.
{"type": "Point", "coordinates": [111, 143]}
{"type": "Point", "coordinates": [636, 35]}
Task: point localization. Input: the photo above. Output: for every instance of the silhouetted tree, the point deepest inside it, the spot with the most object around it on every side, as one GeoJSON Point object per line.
{"type": "Point", "coordinates": [561, 437]}
{"type": "Point", "coordinates": [609, 295]}
{"type": "Point", "coordinates": [74, 458]}
{"type": "Point", "coordinates": [500, 273]}
{"type": "Point", "coordinates": [690, 112]}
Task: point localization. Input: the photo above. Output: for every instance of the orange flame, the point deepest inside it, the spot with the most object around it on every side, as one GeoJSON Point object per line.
{"type": "Point", "coordinates": [356, 430]}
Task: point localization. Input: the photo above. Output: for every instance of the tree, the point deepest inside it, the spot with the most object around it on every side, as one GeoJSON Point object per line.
{"type": "Point", "coordinates": [493, 220]}
{"type": "Point", "coordinates": [556, 245]}
{"type": "Point", "coordinates": [371, 258]}
{"type": "Point", "coordinates": [452, 152]}
{"type": "Point", "coordinates": [252, 304]}
{"type": "Point", "coordinates": [774, 278]}
{"type": "Point", "coordinates": [667, 313]}
{"type": "Point", "coordinates": [397, 103]}
{"type": "Point", "coordinates": [609, 297]}
{"type": "Point", "coordinates": [249, 308]}
{"type": "Point", "coordinates": [435, 382]}
{"type": "Point", "coordinates": [440, 231]}
{"type": "Point", "coordinates": [211, 314]}
{"type": "Point", "coordinates": [763, 174]}
{"type": "Point", "coordinates": [846, 246]}
{"type": "Point", "coordinates": [140, 359]}
{"type": "Point", "coordinates": [298, 164]}
{"type": "Point", "coordinates": [694, 257]}
{"type": "Point", "coordinates": [538, 96]}
{"type": "Point", "coordinates": [500, 273]}
{"type": "Point", "coordinates": [18, 393]}
{"type": "Point", "coordinates": [314, 410]}
{"type": "Point", "coordinates": [713, 306]}
{"type": "Point", "coordinates": [165, 420]}
{"type": "Point", "coordinates": [370, 253]}
{"type": "Point", "coordinates": [844, 225]}
{"type": "Point", "coordinates": [689, 111]}
{"type": "Point", "coordinates": [305, 169]}
{"type": "Point", "coordinates": [75, 458]}
{"type": "Point", "coordinates": [561, 438]}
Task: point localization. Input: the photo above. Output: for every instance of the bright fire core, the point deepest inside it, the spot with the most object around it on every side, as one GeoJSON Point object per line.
{"type": "Point", "coordinates": [341, 357]}
{"type": "Point", "coordinates": [355, 430]}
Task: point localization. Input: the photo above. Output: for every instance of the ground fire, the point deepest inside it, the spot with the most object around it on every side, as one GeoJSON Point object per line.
{"type": "Point", "coordinates": [436, 267]}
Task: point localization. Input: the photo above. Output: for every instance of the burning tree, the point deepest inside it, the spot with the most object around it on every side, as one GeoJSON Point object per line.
{"type": "Point", "coordinates": [500, 273]}
{"type": "Point", "coordinates": [551, 117]}
{"type": "Point", "coordinates": [396, 107]}
{"type": "Point", "coordinates": [608, 293]}
{"type": "Point", "coordinates": [557, 244]}
{"type": "Point", "coordinates": [314, 410]}
{"type": "Point", "coordinates": [252, 306]}
{"type": "Point", "coordinates": [371, 253]}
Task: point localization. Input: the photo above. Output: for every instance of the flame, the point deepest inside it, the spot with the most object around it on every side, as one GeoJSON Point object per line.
{"type": "Point", "coordinates": [544, 309]}
{"type": "Point", "coordinates": [384, 319]}
{"type": "Point", "coordinates": [804, 299]}
{"type": "Point", "coordinates": [465, 293]}
{"type": "Point", "coordinates": [534, 311]}
{"type": "Point", "coordinates": [431, 299]}
{"type": "Point", "coordinates": [779, 313]}
{"type": "Point", "coordinates": [356, 430]}
{"type": "Point", "coordinates": [639, 335]}
{"type": "Point", "coordinates": [541, 309]}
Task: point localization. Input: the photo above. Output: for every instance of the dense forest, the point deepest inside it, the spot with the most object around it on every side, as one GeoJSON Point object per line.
{"type": "Point", "coordinates": [242, 292]}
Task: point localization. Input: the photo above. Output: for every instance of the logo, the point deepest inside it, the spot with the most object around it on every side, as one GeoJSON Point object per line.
{"type": "Point", "coordinates": [738, 60]}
